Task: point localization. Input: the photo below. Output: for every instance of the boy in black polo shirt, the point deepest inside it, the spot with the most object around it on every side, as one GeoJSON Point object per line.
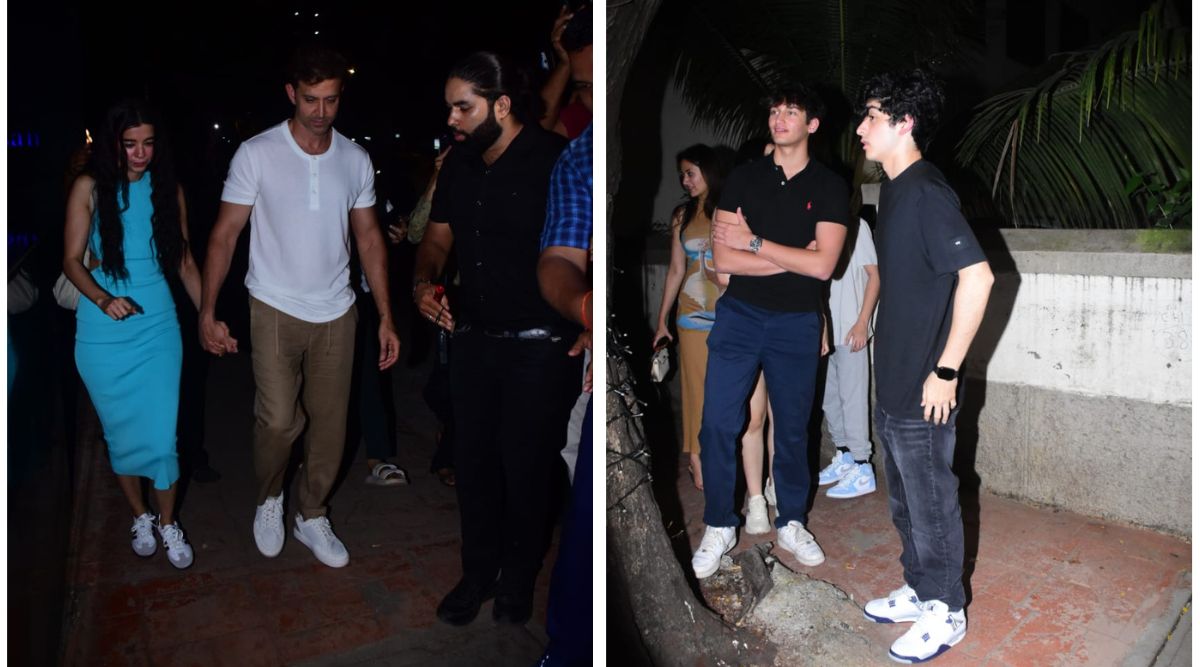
{"type": "Point", "coordinates": [778, 229]}
{"type": "Point", "coordinates": [935, 286]}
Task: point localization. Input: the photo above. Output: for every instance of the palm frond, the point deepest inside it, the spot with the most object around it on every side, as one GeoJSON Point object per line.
{"type": "Point", "coordinates": [1067, 146]}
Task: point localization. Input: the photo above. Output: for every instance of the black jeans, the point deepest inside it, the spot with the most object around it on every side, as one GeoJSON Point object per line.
{"type": "Point", "coordinates": [512, 400]}
{"type": "Point", "coordinates": [923, 496]}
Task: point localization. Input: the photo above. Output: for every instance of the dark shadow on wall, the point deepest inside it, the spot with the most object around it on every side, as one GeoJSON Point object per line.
{"type": "Point", "coordinates": [996, 318]}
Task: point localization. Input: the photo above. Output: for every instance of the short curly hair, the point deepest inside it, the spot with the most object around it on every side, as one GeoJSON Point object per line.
{"type": "Point", "coordinates": [917, 93]}
{"type": "Point", "coordinates": [799, 95]}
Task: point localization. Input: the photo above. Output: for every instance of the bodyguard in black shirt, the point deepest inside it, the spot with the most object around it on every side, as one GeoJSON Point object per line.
{"type": "Point", "coordinates": [778, 229]}
{"type": "Point", "coordinates": [511, 380]}
{"type": "Point", "coordinates": [935, 283]}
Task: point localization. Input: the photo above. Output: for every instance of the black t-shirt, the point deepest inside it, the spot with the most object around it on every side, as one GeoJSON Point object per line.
{"type": "Point", "coordinates": [496, 213]}
{"type": "Point", "coordinates": [784, 211]}
{"type": "Point", "coordinates": [922, 241]}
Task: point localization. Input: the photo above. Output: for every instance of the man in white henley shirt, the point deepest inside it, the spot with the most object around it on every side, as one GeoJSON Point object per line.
{"type": "Point", "coordinates": [303, 187]}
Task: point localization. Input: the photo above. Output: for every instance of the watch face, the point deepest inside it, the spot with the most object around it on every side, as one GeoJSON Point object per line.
{"type": "Point", "coordinates": [946, 373]}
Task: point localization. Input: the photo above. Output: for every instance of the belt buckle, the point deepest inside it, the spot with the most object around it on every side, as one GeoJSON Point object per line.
{"type": "Point", "coordinates": [537, 333]}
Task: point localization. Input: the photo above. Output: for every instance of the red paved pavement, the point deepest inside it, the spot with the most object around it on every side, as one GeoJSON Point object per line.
{"type": "Point", "coordinates": [235, 607]}
{"type": "Point", "coordinates": [1048, 587]}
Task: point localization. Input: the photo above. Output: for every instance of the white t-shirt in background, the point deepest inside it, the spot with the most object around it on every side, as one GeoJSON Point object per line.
{"type": "Point", "coordinates": [300, 223]}
{"type": "Point", "coordinates": [846, 294]}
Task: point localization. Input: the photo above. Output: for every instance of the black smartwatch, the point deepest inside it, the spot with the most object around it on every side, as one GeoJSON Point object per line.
{"type": "Point", "coordinates": [944, 373]}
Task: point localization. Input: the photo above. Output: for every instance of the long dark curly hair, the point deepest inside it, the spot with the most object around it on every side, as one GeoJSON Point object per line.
{"type": "Point", "coordinates": [109, 167]}
{"type": "Point", "coordinates": [713, 169]}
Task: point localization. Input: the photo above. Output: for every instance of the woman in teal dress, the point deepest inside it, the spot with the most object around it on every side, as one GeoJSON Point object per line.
{"type": "Point", "coordinates": [129, 214]}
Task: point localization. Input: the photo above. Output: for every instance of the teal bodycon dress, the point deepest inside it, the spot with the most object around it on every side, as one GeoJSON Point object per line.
{"type": "Point", "coordinates": [131, 367]}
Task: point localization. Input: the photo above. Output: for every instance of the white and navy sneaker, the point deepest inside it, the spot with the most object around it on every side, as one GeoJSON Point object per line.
{"type": "Point", "coordinates": [858, 482]}
{"type": "Point", "coordinates": [933, 634]}
{"type": "Point", "coordinates": [841, 466]}
{"type": "Point", "coordinates": [900, 606]}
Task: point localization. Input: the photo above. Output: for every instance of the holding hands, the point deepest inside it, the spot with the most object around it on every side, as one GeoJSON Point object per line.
{"type": "Point", "coordinates": [215, 337]}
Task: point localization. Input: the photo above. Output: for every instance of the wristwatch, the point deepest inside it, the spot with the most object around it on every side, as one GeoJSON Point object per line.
{"type": "Point", "coordinates": [947, 374]}
{"type": "Point", "coordinates": [755, 244]}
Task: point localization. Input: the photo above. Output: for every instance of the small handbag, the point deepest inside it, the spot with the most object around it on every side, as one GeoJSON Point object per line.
{"type": "Point", "coordinates": [66, 294]}
{"type": "Point", "coordinates": [660, 364]}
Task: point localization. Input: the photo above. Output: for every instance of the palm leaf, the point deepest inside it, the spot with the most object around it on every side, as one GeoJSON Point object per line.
{"type": "Point", "coordinates": [1067, 146]}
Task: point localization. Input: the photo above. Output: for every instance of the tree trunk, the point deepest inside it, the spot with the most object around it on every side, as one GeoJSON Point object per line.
{"type": "Point", "coordinates": [675, 628]}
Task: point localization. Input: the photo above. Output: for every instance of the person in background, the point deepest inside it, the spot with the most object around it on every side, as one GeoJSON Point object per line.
{"type": "Point", "coordinates": [437, 389]}
{"type": "Point", "coordinates": [131, 213]}
{"type": "Point", "coordinates": [564, 274]}
{"type": "Point", "coordinates": [572, 29]}
{"type": "Point", "coordinates": [852, 297]}
{"type": "Point", "coordinates": [694, 287]}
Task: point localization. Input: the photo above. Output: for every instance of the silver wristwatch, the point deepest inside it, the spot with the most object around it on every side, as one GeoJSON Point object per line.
{"type": "Point", "coordinates": [755, 244]}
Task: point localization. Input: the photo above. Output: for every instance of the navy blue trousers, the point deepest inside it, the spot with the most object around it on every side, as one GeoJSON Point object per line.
{"type": "Point", "coordinates": [787, 346]}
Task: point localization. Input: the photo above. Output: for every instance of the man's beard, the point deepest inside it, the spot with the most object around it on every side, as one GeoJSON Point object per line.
{"type": "Point", "coordinates": [483, 136]}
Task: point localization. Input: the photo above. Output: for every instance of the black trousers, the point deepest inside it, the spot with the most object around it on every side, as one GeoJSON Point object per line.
{"type": "Point", "coordinates": [512, 400]}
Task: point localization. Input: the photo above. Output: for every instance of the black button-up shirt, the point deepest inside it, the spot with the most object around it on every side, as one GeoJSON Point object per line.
{"type": "Point", "coordinates": [496, 213]}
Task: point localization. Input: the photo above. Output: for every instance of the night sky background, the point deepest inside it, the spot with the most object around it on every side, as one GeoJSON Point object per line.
{"type": "Point", "coordinates": [221, 62]}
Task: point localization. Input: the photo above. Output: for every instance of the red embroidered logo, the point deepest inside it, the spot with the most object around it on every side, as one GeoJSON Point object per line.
{"type": "Point", "coordinates": [809, 207]}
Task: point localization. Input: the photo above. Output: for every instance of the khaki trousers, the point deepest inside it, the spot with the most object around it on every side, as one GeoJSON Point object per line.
{"type": "Point", "coordinates": [302, 374]}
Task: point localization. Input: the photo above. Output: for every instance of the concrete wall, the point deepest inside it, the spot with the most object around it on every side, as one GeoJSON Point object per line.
{"type": "Point", "coordinates": [1081, 375]}
{"type": "Point", "coordinates": [1078, 389]}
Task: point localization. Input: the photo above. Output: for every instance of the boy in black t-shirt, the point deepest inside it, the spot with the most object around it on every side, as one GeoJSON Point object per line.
{"type": "Point", "coordinates": [935, 286]}
{"type": "Point", "coordinates": [778, 229]}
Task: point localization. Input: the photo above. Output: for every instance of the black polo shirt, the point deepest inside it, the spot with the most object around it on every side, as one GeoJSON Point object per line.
{"type": "Point", "coordinates": [922, 241]}
{"type": "Point", "coordinates": [496, 213]}
{"type": "Point", "coordinates": [785, 211]}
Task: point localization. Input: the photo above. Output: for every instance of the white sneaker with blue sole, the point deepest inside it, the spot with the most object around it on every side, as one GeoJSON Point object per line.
{"type": "Point", "coordinates": [858, 482]}
{"type": "Point", "coordinates": [931, 635]}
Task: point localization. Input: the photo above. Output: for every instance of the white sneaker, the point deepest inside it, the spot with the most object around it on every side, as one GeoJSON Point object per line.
{"type": "Point", "coordinates": [858, 482]}
{"type": "Point", "coordinates": [900, 606]}
{"type": "Point", "coordinates": [801, 543]}
{"type": "Point", "coordinates": [757, 521]}
{"type": "Point", "coordinates": [932, 635]}
{"type": "Point", "coordinates": [842, 464]}
{"type": "Point", "coordinates": [142, 532]}
{"type": "Point", "coordinates": [716, 543]}
{"type": "Point", "coordinates": [268, 526]}
{"type": "Point", "coordinates": [179, 552]}
{"type": "Point", "coordinates": [317, 534]}
{"type": "Point", "coordinates": [769, 492]}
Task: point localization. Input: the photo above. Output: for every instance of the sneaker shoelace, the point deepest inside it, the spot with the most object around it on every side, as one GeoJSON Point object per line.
{"type": "Point", "coordinates": [172, 537]}
{"type": "Point", "coordinates": [712, 541]}
{"type": "Point", "coordinates": [143, 527]}
{"type": "Point", "coordinates": [272, 511]}
{"type": "Point", "coordinates": [321, 524]}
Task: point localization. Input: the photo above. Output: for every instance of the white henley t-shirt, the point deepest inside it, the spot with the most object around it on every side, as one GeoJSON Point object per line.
{"type": "Point", "coordinates": [300, 223]}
